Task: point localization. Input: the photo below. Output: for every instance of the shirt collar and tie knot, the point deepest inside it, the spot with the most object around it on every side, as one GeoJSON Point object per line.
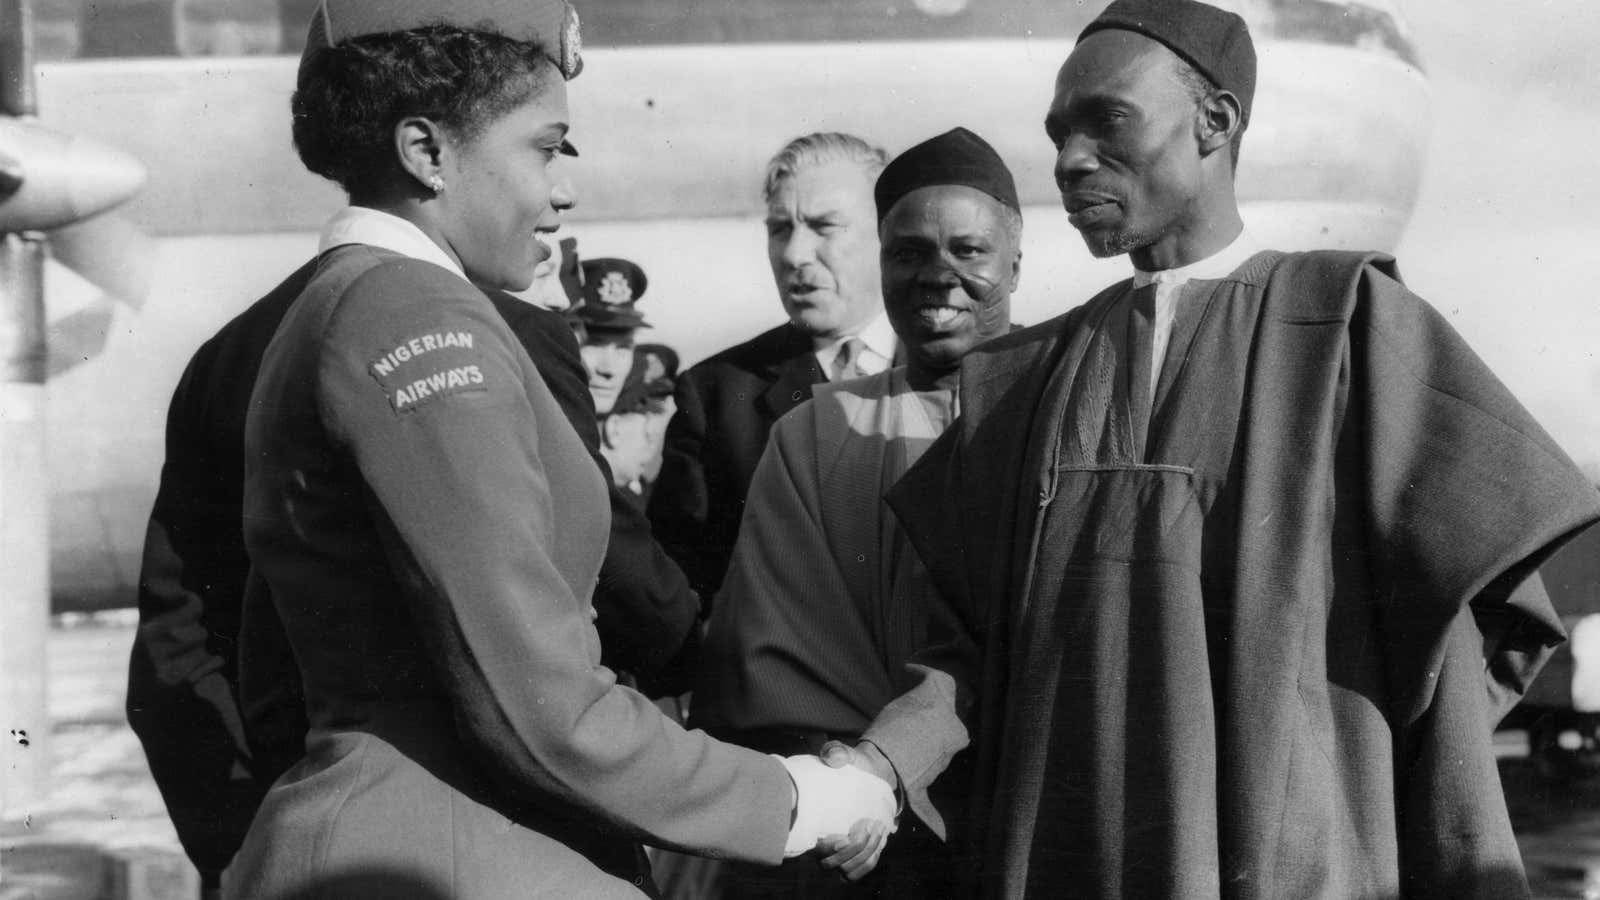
{"type": "Point", "coordinates": [871, 351]}
{"type": "Point", "coordinates": [846, 361]}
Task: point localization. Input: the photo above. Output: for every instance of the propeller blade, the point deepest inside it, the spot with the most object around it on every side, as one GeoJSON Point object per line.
{"type": "Point", "coordinates": [80, 336]}
{"type": "Point", "coordinates": [62, 178]}
{"type": "Point", "coordinates": [10, 176]}
{"type": "Point", "coordinates": [111, 252]}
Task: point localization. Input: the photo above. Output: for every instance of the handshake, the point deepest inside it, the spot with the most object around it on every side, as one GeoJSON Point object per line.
{"type": "Point", "coordinates": [843, 811]}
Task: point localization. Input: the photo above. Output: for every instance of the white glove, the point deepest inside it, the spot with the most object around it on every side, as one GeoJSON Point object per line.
{"type": "Point", "coordinates": [829, 801]}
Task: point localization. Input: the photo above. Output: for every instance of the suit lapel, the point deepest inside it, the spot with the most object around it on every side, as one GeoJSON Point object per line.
{"type": "Point", "coordinates": [850, 419]}
{"type": "Point", "coordinates": [793, 378]}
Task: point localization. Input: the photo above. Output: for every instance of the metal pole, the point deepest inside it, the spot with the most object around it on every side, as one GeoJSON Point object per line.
{"type": "Point", "coordinates": [24, 513]}
{"type": "Point", "coordinates": [18, 95]}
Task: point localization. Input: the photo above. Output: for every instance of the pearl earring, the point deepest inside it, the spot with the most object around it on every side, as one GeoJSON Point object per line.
{"type": "Point", "coordinates": [436, 184]}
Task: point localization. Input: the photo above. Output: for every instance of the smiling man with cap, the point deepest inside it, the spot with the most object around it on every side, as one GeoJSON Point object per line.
{"type": "Point", "coordinates": [824, 599]}
{"type": "Point", "coordinates": [1240, 557]}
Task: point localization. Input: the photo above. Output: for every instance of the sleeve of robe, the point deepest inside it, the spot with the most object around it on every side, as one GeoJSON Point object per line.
{"type": "Point", "coordinates": [923, 729]}
{"type": "Point", "coordinates": [1466, 496]}
{"type": "Point", "coordinates": [786, 639]}
{"type": "Point", "coordinates": [463, 499]}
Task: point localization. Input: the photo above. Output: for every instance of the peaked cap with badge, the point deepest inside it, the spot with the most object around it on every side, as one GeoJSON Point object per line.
{"type": "Point", "coordinates": [611, 287]}
{"type": "Point", "coordinates": [549, 25]}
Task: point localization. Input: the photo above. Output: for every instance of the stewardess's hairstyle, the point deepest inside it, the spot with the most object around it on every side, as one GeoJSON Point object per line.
{"type": "Point", "coordinates": [348, 98]}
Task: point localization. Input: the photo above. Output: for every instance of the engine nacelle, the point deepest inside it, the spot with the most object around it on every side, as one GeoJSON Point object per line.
{"type": "Point", "coordinates": [48, 179]}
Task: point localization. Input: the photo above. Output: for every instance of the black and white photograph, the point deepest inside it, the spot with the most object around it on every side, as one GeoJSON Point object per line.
{"type": "Point", "coordinates": [786, 449]}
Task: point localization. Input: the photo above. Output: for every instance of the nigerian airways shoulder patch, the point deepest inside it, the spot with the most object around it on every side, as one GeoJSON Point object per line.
{"type": "Point", "coordinates": [428, 366]}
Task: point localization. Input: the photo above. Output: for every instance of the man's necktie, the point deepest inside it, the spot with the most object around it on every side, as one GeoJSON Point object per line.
{"type": "Point", "coordinates": [844, 362]}
{"type": "Point", "coordinates": [1141, 329]}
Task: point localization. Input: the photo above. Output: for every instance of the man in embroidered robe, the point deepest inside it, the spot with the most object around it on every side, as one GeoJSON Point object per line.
{"type": "Point", "coordinates": [1244, 550]}
{"type": "Point", "coordinates": [824, 599]}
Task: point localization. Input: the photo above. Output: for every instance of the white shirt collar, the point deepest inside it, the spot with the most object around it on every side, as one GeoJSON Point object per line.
{"type": "Point", "coordinates": [364, 225]}
{"type": "Point", "coordinates": [1217, 265]}
{"type": "Point", "coordinates": [878, 339]}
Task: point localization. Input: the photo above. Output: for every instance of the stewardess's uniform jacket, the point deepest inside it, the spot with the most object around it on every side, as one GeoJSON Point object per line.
{"type": "Point", "coordinates": [430, 528]}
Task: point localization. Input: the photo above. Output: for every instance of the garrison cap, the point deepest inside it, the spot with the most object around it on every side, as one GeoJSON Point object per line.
{"type": "Point", "coordinates": [550, 25]}
{"type": "Point", "coordinates": [956, 157]}
{"type": "Point", "coordinates": [1216, 42]}
{"type": "Point", "coordinates": [611, 287]}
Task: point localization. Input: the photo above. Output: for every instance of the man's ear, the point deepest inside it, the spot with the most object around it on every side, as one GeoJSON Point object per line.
{"type": "Point", "coordinates": [1016, 272]}
{"type": "Point", "coordinates": [1219, 119]}
{"type": "Point", "coordinates": [419, 145]}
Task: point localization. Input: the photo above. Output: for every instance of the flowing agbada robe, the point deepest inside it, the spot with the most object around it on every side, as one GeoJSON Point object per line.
{"type": "Point", "coordinates": [824, 600]}
{"type": "Point", "coordinates": [1260, 653]}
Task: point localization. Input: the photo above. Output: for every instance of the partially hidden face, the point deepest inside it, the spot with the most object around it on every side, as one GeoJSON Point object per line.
{"type": "Point", "coordinates": [950, 263]}
{"type": "Point", "coordinates": [822, 241]}
{"type": "Point", "coordinates": [1127, 150]}
{"type": "Point", "coordinates": [627, 447]}
{"type": "Point", "coordinates": [502, 190]}
{"type": "Point", "coordinates": [608, 358]}
{"type": "Point", "coordinates": [547, 290]}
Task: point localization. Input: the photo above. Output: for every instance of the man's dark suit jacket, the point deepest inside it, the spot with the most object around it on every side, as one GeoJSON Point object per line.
{"type": "Point", "coordinates": [183, 676]}
{"type": "Point", "coordinates": [726, 406]}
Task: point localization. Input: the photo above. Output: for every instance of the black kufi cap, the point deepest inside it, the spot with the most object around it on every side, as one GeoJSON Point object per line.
{"type": "Point", "coordinates": [956, 157]}
{"type": "Point", "coordinates": [1216, 42]}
